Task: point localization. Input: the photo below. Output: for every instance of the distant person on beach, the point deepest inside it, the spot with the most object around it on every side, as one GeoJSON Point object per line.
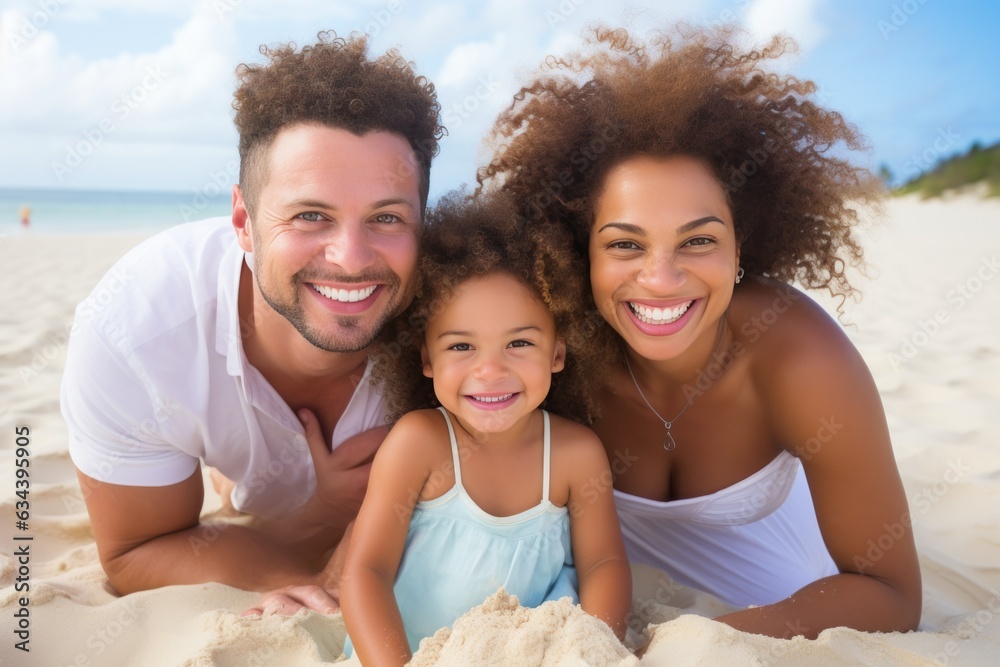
{"type": "Point", "coordinates": [698, 184]}
{"type": "Point", "coordinates": [225, 342]}
{"type": "Point", "coordinates": [25, 217]}
{"type": "Point", "coordinates": [477, 487]}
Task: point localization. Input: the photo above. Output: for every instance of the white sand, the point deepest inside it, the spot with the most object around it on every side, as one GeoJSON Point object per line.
{"type": "Point", "coordinates": [928, 328]}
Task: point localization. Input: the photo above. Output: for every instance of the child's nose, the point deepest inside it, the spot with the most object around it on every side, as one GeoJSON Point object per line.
{"type": "Point", "coordinates": [490, 367]}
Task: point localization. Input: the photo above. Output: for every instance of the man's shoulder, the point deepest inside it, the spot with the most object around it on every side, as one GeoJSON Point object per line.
{"type": "Point", "coordinates": [164, 282]}
{"type": "Point", "coordinates": [183, 244]}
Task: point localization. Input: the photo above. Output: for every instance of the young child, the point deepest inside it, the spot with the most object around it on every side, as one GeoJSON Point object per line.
{"type": "Point", "coordinates": [488, 490]}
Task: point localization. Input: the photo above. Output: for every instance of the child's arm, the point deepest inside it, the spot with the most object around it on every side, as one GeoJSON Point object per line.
{"type": "Point", "coordinates": [598, 549]}
{"type": "Point", "coordinates": [370, 612]}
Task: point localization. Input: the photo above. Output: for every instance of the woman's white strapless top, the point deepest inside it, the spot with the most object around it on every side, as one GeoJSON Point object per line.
{"type": "Point", "coordinates": [753, 543]}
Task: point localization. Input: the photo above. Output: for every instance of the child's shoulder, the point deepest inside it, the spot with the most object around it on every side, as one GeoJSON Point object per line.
{"type": "Point", "coordinates": [419, 432]}
{"type": "Point", "coordinates": [430, 418]}
{"type": "Point", "coordinates": [578, 459]}
{"type": "Point", "coordinates": [572, 437]}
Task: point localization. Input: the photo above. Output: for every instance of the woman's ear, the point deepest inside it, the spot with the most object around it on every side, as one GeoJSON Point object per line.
{"type": "Point", "coordinates": [425, 361]}
{"type": "Point", "coordinates": [559, 357]}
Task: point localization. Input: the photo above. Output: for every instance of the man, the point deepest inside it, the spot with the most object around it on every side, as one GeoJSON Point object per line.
{"type": "Point", "coordinates": [248, 351]}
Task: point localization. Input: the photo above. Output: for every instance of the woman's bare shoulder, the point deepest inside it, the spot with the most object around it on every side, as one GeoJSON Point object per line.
{"type": "Point", "coordinates": [791, 338]}
{"type": "Point", "coordinates": [779, 318]}
{"type": "Point", "coordinates": [801, 359]}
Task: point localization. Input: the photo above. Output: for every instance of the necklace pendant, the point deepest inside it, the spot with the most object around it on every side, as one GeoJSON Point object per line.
{"type": "Point", "coordinates": [668, 441]}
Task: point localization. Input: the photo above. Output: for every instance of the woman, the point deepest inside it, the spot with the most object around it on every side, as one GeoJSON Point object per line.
{"type": "Point", "coordinates": [749, 444]}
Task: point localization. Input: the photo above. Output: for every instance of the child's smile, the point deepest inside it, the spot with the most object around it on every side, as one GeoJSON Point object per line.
{"type": "Point", "coordinates": [491, 350]}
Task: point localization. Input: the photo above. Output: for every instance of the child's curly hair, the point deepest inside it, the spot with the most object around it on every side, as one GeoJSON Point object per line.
{"type": "Point", "coordinates": [775, 152]}
{"type": "Point", "coordinates": [473, 237]}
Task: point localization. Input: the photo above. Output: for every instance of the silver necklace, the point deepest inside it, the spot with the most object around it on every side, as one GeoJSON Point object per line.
{"type": "Point", "coordinates": [668, 441]}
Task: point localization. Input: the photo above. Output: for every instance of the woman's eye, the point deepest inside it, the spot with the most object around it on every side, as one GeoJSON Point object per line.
{"type": "Point", "coordinates": [387, 218]}
{"type": "Point", "coordinates": [623, 245]}
{"type": "Point", "coordinates": [700, 241]}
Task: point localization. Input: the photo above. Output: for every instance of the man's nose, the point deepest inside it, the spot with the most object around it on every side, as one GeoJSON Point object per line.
{"type": "Point", "coordinates": [349, 248]}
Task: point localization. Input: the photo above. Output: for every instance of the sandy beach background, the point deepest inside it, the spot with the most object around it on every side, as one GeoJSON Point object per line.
{"type": "Point", "coordinates": [927, 326]}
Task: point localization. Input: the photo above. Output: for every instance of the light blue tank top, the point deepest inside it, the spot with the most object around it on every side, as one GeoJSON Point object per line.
{"type": "Point", "coordinates": [457, 555]}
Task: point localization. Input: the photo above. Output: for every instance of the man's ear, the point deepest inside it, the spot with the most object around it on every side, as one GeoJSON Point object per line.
{"type": "Point", "coordinates": [559, 358]}
{"type": "Point", "coordinates": [241, 220]}
{"type": "Point", "coordinates": [425, 361]}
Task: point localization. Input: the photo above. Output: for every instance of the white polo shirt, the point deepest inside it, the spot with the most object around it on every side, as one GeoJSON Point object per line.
{"type": "Point", "coordinates": [156, 379]}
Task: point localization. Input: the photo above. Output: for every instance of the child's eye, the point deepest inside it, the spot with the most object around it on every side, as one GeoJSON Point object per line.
{"type": "Point", "coordinates": [520, 343]}
{"type": "Point", "coordinates": [460, 347]}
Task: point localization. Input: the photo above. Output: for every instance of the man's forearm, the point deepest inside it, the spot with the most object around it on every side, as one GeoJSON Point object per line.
{"type": "Point", "coordinates": [221, 552]}
{"type": "Point", "coordinates": [314, 530]}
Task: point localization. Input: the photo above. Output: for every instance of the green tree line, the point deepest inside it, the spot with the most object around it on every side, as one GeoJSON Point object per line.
{"type": "Point", "coordinates": [978, 165]}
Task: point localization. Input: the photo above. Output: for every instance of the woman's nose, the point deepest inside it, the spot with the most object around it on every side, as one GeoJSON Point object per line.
{"type": "Point", "coordinates": [662, 273]}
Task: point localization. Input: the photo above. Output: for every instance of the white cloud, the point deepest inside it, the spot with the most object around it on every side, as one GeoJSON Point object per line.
{"type": "Point", "coordinates": [176, 93]}
{"type": "Point", "coordinates": [466, 62]}
{"type": "Point", "coordinates": [78, 114]}
{"type": "Point", "coordinates": [797, 18]}
{"type": "Point", "coordinates": [89, 10]}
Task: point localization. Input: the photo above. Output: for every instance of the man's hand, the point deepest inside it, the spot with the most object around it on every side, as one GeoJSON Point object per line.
{"type": "Point", "coordinates": [341, 475]}
{"type": "Point", "coordinates": [290, 599]}
{"type": "Point", "coordinates": [322, 598]}
{"type": "Point", "coordinates": [224, 489]}
{"type": "Point", "coordinates": [341, 482]}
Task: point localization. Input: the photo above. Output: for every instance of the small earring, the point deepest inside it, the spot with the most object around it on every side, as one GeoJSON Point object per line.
{"type": "Point", "coordinates": [739, 275]}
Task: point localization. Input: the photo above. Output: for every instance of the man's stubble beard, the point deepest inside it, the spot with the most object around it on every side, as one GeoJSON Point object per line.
{"type": "Point", "coordinates": [342, 341]}
{"type": "Point", "coordinates": [295, 314]}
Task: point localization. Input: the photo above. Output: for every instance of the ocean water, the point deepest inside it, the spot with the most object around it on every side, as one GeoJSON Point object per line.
{"type": "Point", "coordinates": [103, 212]}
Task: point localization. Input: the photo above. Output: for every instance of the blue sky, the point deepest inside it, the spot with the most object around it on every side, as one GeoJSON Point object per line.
{"type": "Point", "coordinates": [136, 94]}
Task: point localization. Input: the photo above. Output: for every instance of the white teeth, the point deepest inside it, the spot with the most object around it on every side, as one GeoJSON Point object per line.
{"type": "Point", "coordinates": [492, 399]}
{"type": "Point", "coordinates": [343, 295]}
{"type": "Point", "coordinates": [659, 315]}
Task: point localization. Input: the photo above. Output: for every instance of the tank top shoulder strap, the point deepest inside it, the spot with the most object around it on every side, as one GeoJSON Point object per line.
{"type": "Point", "coordinates": [546, 456]}
{"type": "Point", "coordinates": [454, 448]}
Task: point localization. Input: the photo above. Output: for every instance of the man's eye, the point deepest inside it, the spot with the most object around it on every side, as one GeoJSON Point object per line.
{"type": "Point", "coordinates": [311, 216]}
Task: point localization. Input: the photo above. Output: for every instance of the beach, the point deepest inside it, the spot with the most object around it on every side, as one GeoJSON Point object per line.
{"type": "Point", "coordinates": [926, 326]}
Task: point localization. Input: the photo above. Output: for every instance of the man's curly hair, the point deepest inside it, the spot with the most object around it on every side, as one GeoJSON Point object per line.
{"type": "Point", "coordinates": [333, 83]}
{"type": "Point", "coordinates": [776, 153]}
{"type": "Point", "coordinates": [467, 238]}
